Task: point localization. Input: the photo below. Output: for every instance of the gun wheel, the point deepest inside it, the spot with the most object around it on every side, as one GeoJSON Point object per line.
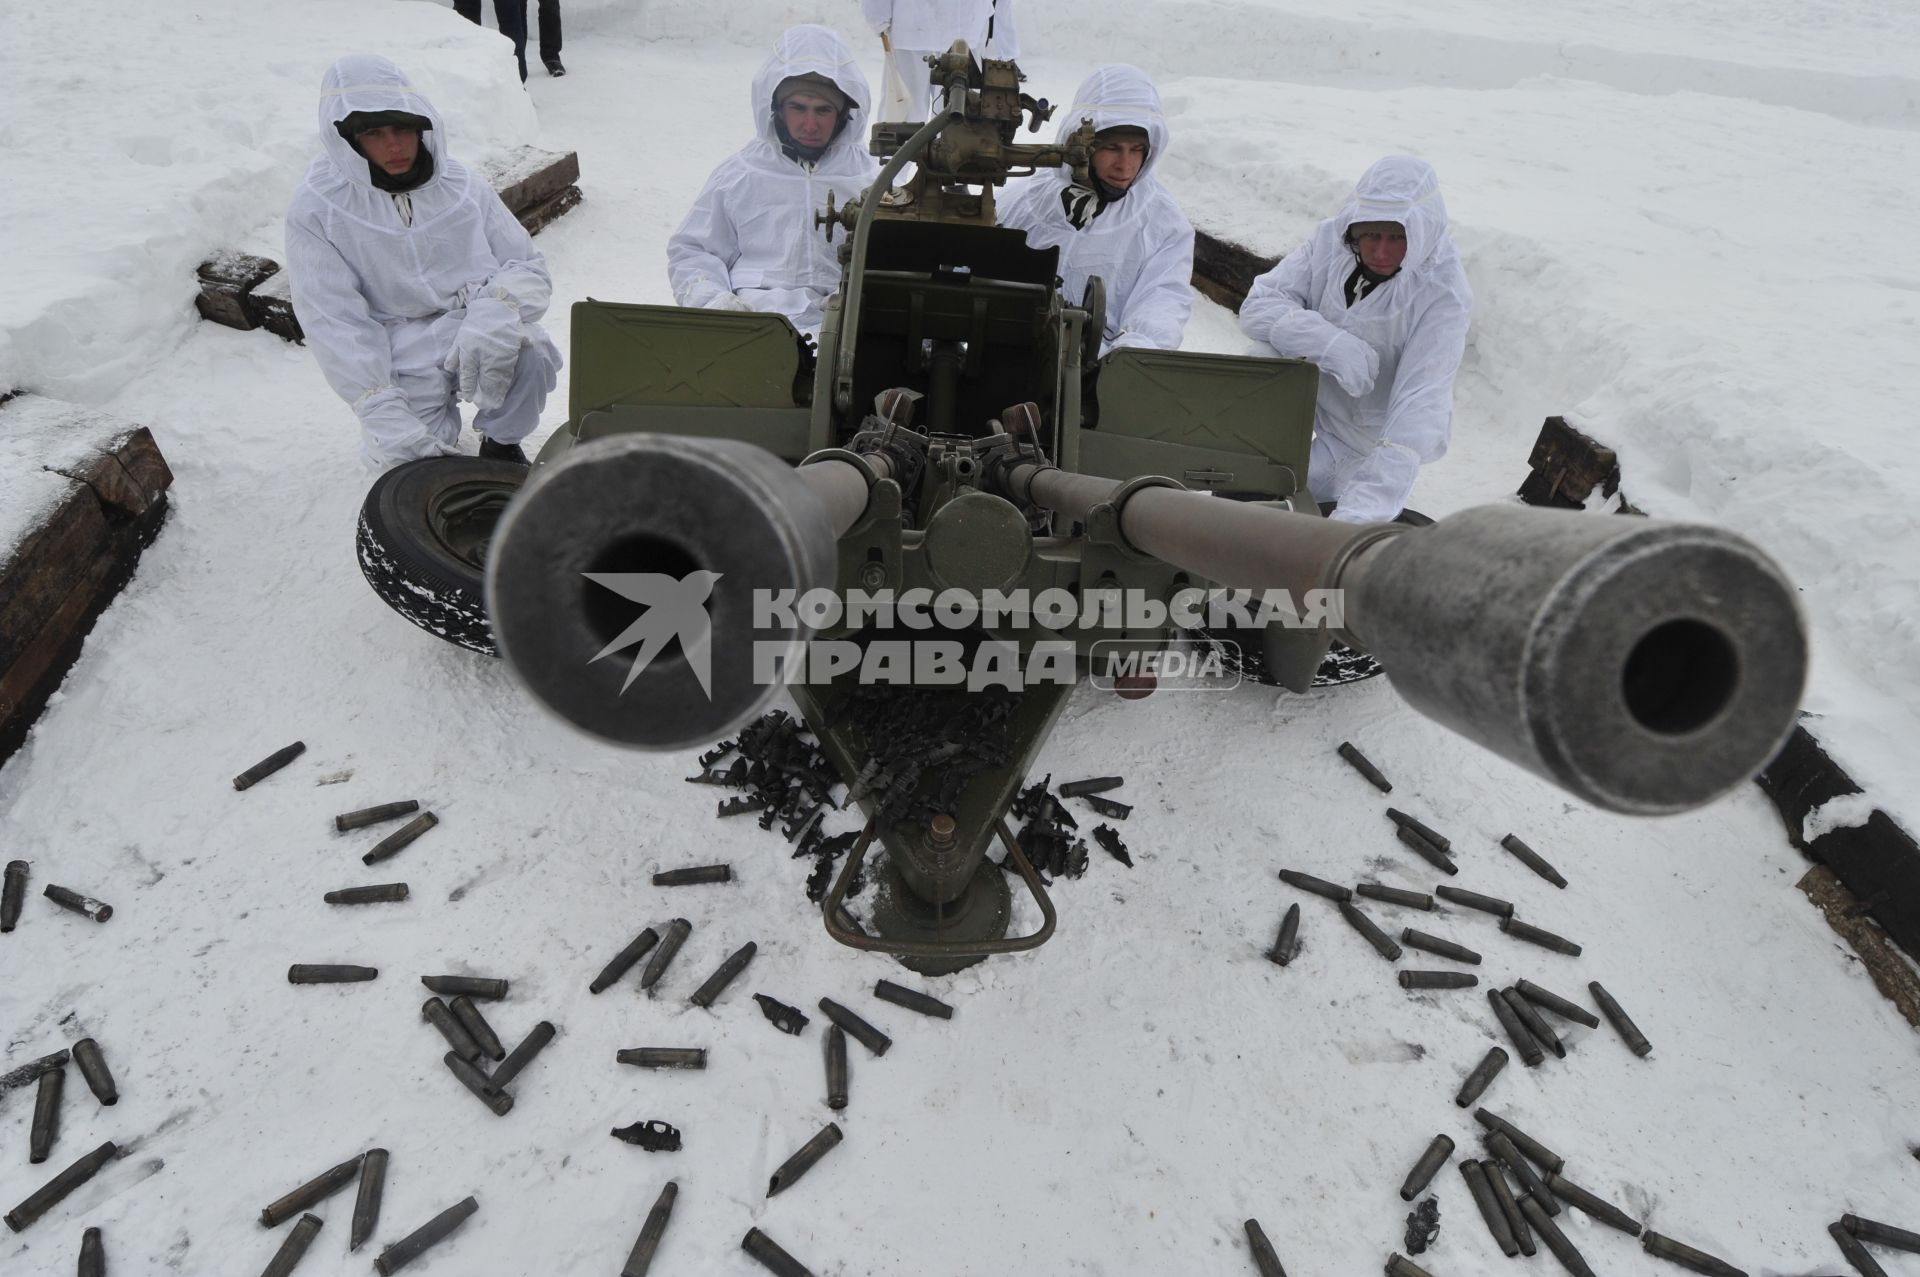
{"type": "Point", "coordinates": [422, 542]}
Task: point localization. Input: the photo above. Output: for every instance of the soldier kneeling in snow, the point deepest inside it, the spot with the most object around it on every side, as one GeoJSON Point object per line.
{"type": "Point", "coordinates": [1126, 228]}
{"type": "Point", "coordinates": [414, 285]}
{"type": "Point", "coordinates": [749, 242]}
{"type": "Point", "coordinates": [1379, 300]}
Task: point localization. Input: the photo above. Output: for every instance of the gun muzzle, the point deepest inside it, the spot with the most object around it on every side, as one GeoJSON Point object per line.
{"type": "Point", "coordinates": [621, 583]}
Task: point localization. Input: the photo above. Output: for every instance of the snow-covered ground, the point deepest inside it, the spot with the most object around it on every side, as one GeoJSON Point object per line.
{"type": "Point", "coordinates": [1686, 226]}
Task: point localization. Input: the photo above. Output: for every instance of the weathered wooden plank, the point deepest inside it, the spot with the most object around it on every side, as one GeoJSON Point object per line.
{"type": "Point", "coordinates": [98, 489]}
{"type": "Point", "coordinates": [1224, 271]}
{"type": "Point", "coordinates": [1567, 467]}
{"type": "Point", "coordinates": [225, 280]}
{"type": "Point", "coordinates": [536, 218]}
{"type": "Point", "coordinates": [529, 176]}
{"type": "Point", "coordinates": [272, 305]}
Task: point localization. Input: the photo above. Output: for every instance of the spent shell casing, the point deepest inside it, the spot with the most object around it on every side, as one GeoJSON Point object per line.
{"type": "Point", "coordinates": [724, 975]}
{"type": "Point", "coordinates": [868, 1036]}
{"type": "Point", "coordinates": [1365, 767]}
{"type": "Point", "coordinates": [329, 973]}
{"type": "Point", "coordinates": [1474, 900]}
{"type": "Point", "coordinates": [1318, 886]}
{"type": "Point", "coordinates": [294, 1248]}
{"type": "Point", "coordinates": [1558, 1005]}
{"type": "Point", "coordinates": [1686, 1256]}
{"type": "Point", "coordinates": [49, 1195]}
{"type": "Point", "coordinates": [1533, 860]}
{"type": "Point", "coordinates": [836, 1050]}
{"type": "Point", "coordinates": [1509, 1206]}
{"type": "Point", "coordinates": [1382, 942]}
{"type": "Point", "coordinates": [314, 1191]}
{"type": "Point", "coordinates": [1438, 979]}
{"type": "Point", "coordinates": [522, 1055]}
{"type": "Point", "coordinates": [1531, 1184]}
{"type": "Point", "coordinates": [375, 815]}
{"type": "Point", "coordinates": [1489, 1206]}
{"type": "Point", "coordinates": [1598, 1207]}
{"type": "Point", "coordinates": [1536, 1023]}
{"type": "Point", "coordinates": [788, 1173]}
{"type": "Point", "coordinates": [46, 1115]}
{"type": "Point", "coordinates": [482, 1087]}
{"type": "Point", "coordinates": [1435, 944]}
{"type": "Point", "coordinates": [1264, 1257]}
{"type": "Point", "coordinates": [93, 1254]}
{"type": "Point", "coordinates": [14, 895]}
{"type": "Point", "coordinates": [1435, 1156]}
{"type": "Point", "coordinates": [912, 1000]}
{"type": "Point", "coordinates": [694, 876]}
{"type": "Point", "coordinates": [1563, 1250]}
{"type": "Point", "coordinates": [640, 1258]}
{"type": "Point", "coordinates": [770, 1256]}
{"type": "Point", "coordinates": [664, 1057]}
{"type": "Point", "coordinates": [1863, 1262]}
{"type": "Point", "coordinates": [1622, 1023]}
{"type": "Point", "coordinates": [416, 1243]}
{"type": "Point", "coordinates": [485, 988]}
{"type": "Point", "coordinates": [74, 902]}
{"type": "Point", "coordinates": [477, 1027]}
{"type": "Point", "coordinates": [1533, 1148]}
{"type": "Point", "coordinates": [677, 932]}
{"type": "Point", "coordinates": [1531, 1052]}
{"type": "Point", "coordinates": [1539, 935]}
{"type": "Point", "coordinates": [1395, 896]}
{"type": "Point", "coordinates": [623, 961]}
{"type": "Point", "coordinates": [441, 1017]}
{"type": "Point", "coordinates": [366, 1203]}
{"type": "Point", "coordinates": [32, 1069]}
{"type": "Point", "coordinates": [1399, 1265]}
{"type": "Point", "coordinates": [1097, 785]}
{"type": "Point", "coordinates": [1288, 941]}
{"type": "Point", "coordinates": [1426, 851]}
{"type": "Point", "coordinates": [1870, 1230]}
{"type": "Point", "coordinates": [1483, 1074]}
{"type": "Point", "coordinates": [380, 893]}
{"type": "Point", "coordinates": [1408, 822]}
{"type": "Point", "coordinates": [269, 765]}
{"type": "Point", "coordinates": [392, 844]}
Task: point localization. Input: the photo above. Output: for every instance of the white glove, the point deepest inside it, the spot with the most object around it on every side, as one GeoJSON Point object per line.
{"type": "Point", "coordinates": [724, 300]}
{"type": "Point", "coordinates": [485, 351]}
{"type": "Point", "coordinates": [1351, 362]}
{"type": "Point", "coordinates": [391, 434]}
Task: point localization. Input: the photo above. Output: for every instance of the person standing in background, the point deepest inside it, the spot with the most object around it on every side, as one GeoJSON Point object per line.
{"type": "Point", "coordinates": [511, 17]}
{"type": "Point", "coordinates": [912, 29]}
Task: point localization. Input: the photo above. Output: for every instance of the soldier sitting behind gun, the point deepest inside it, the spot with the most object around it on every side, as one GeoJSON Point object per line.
{"type": "Point", "coordinates": [415, 286]}
{"type": "Point", "coordinates": [749, 242]}
{"type": "Point", "coordinates": [1125, 228]}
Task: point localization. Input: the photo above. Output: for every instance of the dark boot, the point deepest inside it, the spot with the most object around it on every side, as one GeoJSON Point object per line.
{"type": "Point", "coordinates": [554, 67]}
{"type": "Point", "coordinates": [492, 451]}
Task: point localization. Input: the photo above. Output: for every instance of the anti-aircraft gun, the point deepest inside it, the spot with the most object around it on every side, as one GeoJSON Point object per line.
{"type": "Point", "coordinates": [960, 453]}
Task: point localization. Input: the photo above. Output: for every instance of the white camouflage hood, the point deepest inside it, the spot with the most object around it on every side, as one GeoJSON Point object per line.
{"type": "Point", "coordinates": [1118, 94]}
{"type": "Point", "coordinates": [369, 82]}
{"type": "Point", "coordinates": [812, 50]}
{"type": "Point", "coordinates": [1403, 189]}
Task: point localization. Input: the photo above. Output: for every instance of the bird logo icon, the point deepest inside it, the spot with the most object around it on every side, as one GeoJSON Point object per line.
{"type": "Point", "coordinates": [676, 608]}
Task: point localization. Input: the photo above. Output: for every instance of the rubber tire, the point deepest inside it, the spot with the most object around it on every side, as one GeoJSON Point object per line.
{"type": "Point", "coordinates": [408, 565]}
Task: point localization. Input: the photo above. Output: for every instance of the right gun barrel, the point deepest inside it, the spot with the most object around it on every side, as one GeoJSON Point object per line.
{"type": "Point", "coordinates": [1647, 666]}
